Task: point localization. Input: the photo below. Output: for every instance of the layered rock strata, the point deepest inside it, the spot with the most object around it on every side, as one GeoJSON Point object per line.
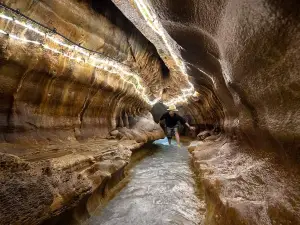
{"type": "Point", "coordinates": [57, 113]}
{"type": "Point", "coordinates": [243, 187]}
{"type": "Point", "coordinates": [44, 91]}
{"type": "Point", "coordinates": [242, 57]}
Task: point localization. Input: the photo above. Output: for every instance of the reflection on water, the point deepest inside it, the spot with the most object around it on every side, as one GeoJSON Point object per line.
{"type": "Point", "coordinates": [161, 191]}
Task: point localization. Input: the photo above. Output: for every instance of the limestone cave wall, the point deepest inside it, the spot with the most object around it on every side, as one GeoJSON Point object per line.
{"type": "Point", "coordinates": [242, 57]}
{"type": "Point", "coordinates": [244, 53]}
{"type": "Point", "coordinates": [67, 128]}
{"type": "Point", "coordinates": [42, 91]}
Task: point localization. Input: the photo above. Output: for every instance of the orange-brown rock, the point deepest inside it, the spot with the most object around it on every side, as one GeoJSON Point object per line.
{"type": "Point", "coordinates": [42, 181]}
{"type": "Point", "coordinates": [243, 187]}
{"type": "Point", "coordinates": [243, 57]}
{"type": "Point", "coordinates": [243, 60]}
{"type": "Point", "coordinates": [56, 114]}
{"type": "Point", "coordinates": [42, 91]}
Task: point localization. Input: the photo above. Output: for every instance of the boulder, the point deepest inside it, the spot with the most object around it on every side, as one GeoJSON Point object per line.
{"type": "Point", "coordinates": [114, 133]}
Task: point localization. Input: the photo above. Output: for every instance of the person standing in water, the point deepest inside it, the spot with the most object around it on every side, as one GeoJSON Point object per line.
{"type": "Point", "coordinates": [171, 120]}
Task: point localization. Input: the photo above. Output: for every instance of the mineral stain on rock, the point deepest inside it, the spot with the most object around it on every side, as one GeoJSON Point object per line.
{"type": "Point", "coordinates": [77, 94]}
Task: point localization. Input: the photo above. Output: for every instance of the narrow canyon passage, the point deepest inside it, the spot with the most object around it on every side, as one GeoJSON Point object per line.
{"type": "Point", "coordinates": [161, 190]}
{"type": "Point", "coordinates": [84, 84]}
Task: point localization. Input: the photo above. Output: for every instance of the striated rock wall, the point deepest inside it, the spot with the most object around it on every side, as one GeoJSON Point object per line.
{"type": "Point", "coordinates": [43, 181]}
{"type": "Point", "coordinates": [42, 91]}
{"type": "Point", "coordinates": [244, 53]}
{"type": "Point", "coordinates": [56, 117]}
{"type": "Point", "coordinates": [243, 57]}
{"type": "Point", "coordinates": [50, 179]}
{"type": "Point", "coordinates": [243, 187]}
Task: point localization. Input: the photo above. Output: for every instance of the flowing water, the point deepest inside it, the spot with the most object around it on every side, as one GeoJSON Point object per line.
{"type": "Point", "coordinates": [161, 190]}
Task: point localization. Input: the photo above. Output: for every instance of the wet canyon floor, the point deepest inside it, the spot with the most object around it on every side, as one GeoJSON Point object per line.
{"type": "Point", "coordinates": [162, 189]}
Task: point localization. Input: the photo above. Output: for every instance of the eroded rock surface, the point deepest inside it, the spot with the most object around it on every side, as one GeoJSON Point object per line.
{"type": "Point", "coordinates": [50, 179]}
{"type": "Point", "coordinates": [57, 115]}
{"type": "Point", "coordinates": [41, 181]}
{"type": "Point", "coordinates": [243, 57]}
{"type": "Point", "coordinates": [243, 60]}
{"type": "Point", "coordinates": [242, 187]}
{"type": "Point", "coordinates": [42, 91]}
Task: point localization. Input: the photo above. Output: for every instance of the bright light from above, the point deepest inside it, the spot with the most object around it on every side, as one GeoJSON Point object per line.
{"type": "Point", "coordinates": [156, 26]}
{"type": "Point", "coordinates": [196, 94]}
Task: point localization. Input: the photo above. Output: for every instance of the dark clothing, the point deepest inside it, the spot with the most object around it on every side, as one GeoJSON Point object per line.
{"type": "Point", "coordinates": [171, 121]}
{"type": "Point", "coordinates": [171, 131]}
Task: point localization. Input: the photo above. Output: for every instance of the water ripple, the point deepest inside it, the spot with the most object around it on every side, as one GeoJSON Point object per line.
{"type": "Point", "coordinates": [161, 191]}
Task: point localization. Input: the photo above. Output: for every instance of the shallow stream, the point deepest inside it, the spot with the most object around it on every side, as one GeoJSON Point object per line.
{"type": "Point", "coordinates": [161, 190]}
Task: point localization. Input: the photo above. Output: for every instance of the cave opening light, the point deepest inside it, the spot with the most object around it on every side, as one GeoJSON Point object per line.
{"type": "Point", "coordinates": [153, 22]}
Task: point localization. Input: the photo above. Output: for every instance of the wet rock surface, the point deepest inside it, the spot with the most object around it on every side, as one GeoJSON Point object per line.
{"type": "Point", "coordinates": [242, 57]}
{"type": "Point", "coordinates": [39, 182]}
{"type": "Point", "coordinates": [67, 129]}
{"type": "Point", "coordinates": [48, 180]}
{"type": "Point", "coordinates": [246, 187]}
{"type": "Point", "coordinates": [56, 114]}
